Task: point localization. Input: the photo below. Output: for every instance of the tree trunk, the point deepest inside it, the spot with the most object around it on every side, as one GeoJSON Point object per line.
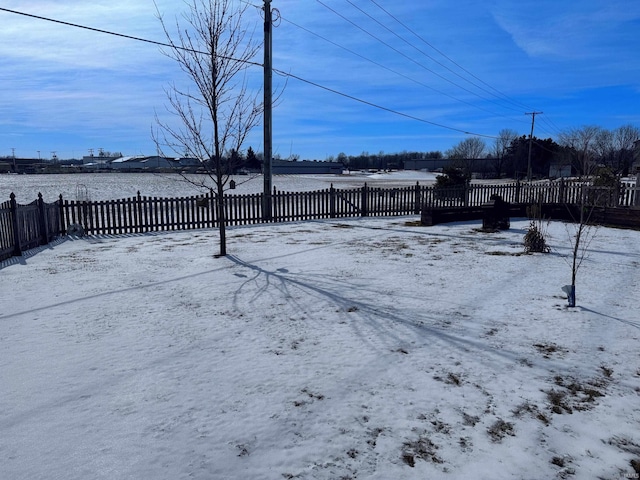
{"type": "Point", "coordinates": [222, 220]}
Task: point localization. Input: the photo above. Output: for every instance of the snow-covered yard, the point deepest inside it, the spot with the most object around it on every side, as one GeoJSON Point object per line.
{"type": "Point", "coordinates": [346, 349]}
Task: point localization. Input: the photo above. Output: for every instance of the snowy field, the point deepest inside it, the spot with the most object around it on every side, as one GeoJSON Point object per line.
{"type": "Point", "coordinates": [358, 349]}
{"type": "Point", "coordinates": [113, 186]}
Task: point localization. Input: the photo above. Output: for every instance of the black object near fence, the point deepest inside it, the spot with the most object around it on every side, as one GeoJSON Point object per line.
{"type": "Point", "coordinates": [26, 226]}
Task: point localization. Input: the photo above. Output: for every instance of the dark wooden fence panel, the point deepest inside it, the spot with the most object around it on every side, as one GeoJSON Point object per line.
{"type": "Point", "coordinates": [7, 239]}
{"type": "Point", "coordinates": [27, 226]}
{"type": "Point", "coordinates": [28, 221]}
{"type": "Point", "coordinates": [391, 201]}
{"type": "Point", "coordinates": [347, 203]}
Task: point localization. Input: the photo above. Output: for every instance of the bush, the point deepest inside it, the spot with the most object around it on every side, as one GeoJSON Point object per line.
{"type": "Point", "coordinates": [534, 239]}
{"type": "Point", "coordinates": [451, 184]}
{"type": "Point", "coordinates": [604, 188]}
{"type": "Point", "coordinates": [451, 177]}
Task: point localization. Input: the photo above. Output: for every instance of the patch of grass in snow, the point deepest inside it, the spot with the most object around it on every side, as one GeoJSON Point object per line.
{"type": "Point", "coordinates": [627, 445]}
{"type": "Point", "coordinates": [244, 451]}
{"type": "Point", "coordinates": [606, 371]}
{"type": "Point", "coordinates": [353, 453]}
{"type": "Point", "coordinates": [563, 462]}
{"type": "Point", "coordinates": [413, 223]}
{"type": "Point", "coordinates": [421, 449]}
{"type": "Point", "coordinates": [532, 410]}
{"type": "Point", "coordinates": [548, 349]}
{"type": "Point", "coordinates": [441, 427]}
{"type": "Point", "coordinates": [504, 254]}
{"type": "Point", "coordinates": [574, 394]}
{"type": "Point", "coordinates": [465, 443]}
{"type": "Point", "coordinates": [450, 379]}
{"type": "Point", "coordinates": [526, 362]}
{"type": "Point", "coordinates": [374, 434]}
{"type": "Point", "coordinates": [491, 332]}
{"type": "Point", "coordinates": [310, 397]}
{"type": "Point", "coordinates": [469, 420]}
{"type": "Point", "coordinates": [500, 429]}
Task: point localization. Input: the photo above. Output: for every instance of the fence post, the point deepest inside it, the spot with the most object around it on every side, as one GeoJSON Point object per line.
{"type": "Point", "coordinates": [44, 233]}
{"type": "Point", "coordinates": [61, 228]}
{"type": "Point", "coordinates": [13, 206]}
{"type": "Point", "coordinates": [417, 207]}
{"type": "Point", "coordinates": [517, 199]}
{"type": "Point", "coordinates": [274, 208]}
{"type": "Point", "coordinates": [139, 215]}
{"type": "Point", "coordinates": [332, 202]}
{"type": "Point", "coordinates": [364, 210]}
{"type": "Point", "coordinates": [562, 192]}
{"type": "Point", "coordinates": [212, 208]}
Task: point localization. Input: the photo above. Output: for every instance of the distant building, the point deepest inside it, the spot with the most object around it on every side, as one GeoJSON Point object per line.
{"type": "Point", "coordinates": [429, 164]}
{"type": "Point", "coordinates": [282, 167]}
{"type": "Point", "coordinates": [141, 162]}
{"type": "Point", "coordinates": [559, 170]}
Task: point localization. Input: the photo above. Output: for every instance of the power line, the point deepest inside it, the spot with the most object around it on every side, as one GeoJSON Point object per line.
{"type": "Point", "coordinates": [549, 122]}
{"type": "Point", "coordinates": [279, 72]}
{"type": "Point", "coordinates": [395, 72]}
{"type": "Point", "coordinates": [436, 61]}
{"type": "Point", "coordinates": [503, 95]}
{"type": "Point", "coordinates": [122, 35]}
{"type": "Point", "coordinates": [380, 107]}
{"type": "Point", "coordinates": [405, 56]}
{"type": "Point", "coordinates": [554, 128]}
{"type": "Point", "coordinates": [493, 113]}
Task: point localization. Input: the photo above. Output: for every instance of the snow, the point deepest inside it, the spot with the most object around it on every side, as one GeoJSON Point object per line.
{"type": "Point", "coordinates": [361, 348]}
{"type": "Point", "coordinates": [116, 185]}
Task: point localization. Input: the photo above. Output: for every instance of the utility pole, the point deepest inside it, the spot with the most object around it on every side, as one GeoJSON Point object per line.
{"type": "Point", "coordinates": [533, 121]}
{"type": "Point", "coordinates": [268, 106]}
{"type": "Point", "coordinates": [13, 155]}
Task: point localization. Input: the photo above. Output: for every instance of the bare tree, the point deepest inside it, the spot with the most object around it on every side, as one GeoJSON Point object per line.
{"type": "Point", "coordinates": [624, 138]}
{"type": "Point", "coordinates": [213, 47]}
{"type": "Point", "coordinates": [581, 232]}
{"type": "Point", "coordinates": [603, 146]}
{"type": "Point", "coordinates": [596, 191]}
{"type": "Point", "coordinates": [581, 142]}
{"type": "Point", "coordinates": [465, 152]}
{"type": "Point", "coordinates": [501, 146]}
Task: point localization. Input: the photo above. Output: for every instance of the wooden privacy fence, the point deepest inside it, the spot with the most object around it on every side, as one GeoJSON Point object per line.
{"type": "Point", "coordinates": [25, 226]}
{"type": "Point", "coordinates": [141, 214]}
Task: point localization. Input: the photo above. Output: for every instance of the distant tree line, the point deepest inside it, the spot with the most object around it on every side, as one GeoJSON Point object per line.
{"type": "Point", "coordinates": [582, 150]}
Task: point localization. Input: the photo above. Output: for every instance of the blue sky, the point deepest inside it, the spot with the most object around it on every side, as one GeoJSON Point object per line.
{"type": "Point", "coordinates": [69, 90]}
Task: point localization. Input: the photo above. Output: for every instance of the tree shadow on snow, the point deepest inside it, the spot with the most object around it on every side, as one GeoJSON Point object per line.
{"type": "Point", "coordinates": [391, 326]}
